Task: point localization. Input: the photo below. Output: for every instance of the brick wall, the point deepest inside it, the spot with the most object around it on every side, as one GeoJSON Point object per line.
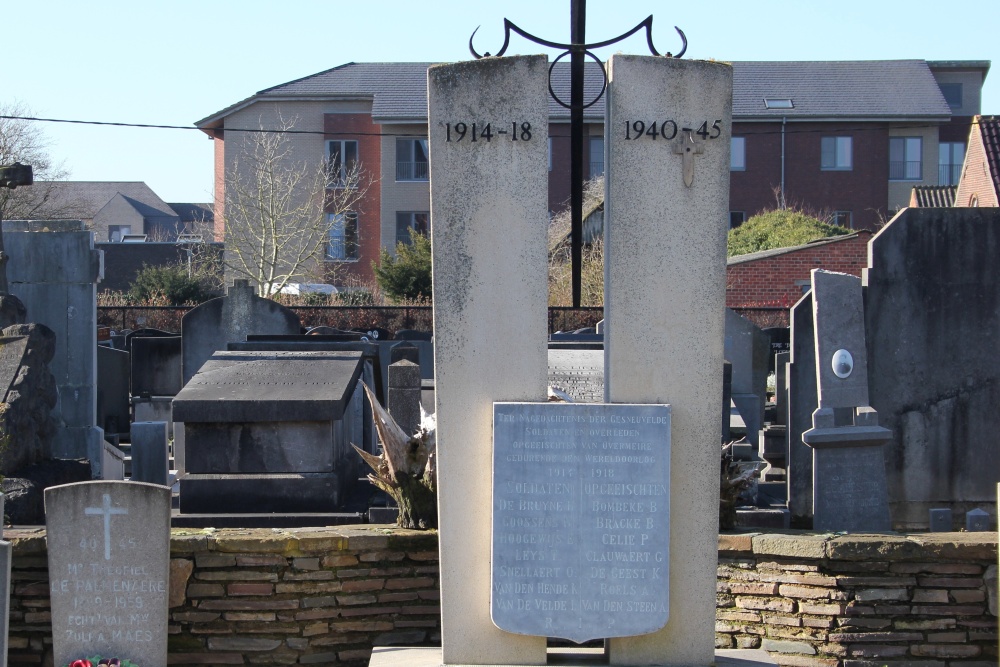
{"type": "Point", "coordinates": [326, 596]}
{"type": "Point", "coordinates": [860, 600]}
{"type": "Point", "coordinates": [359, 127]}
{"type": "Point", "coordinates": [771, 280]}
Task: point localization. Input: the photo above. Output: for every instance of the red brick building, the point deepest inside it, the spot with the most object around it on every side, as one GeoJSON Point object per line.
{"type": "Point", "coordinates": [844, 140]}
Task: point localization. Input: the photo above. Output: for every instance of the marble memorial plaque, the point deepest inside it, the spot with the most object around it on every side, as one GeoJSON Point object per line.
{"type": "Point", "coordinates": [580, 519]}
{"type": "Point", "coordinates": [109, 555]}
{"type": "Point", "coordinates": [580, 373]}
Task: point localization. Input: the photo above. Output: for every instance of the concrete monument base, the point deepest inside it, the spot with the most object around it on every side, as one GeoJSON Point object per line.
{"type": "Point", "coordinates": [402, 656]}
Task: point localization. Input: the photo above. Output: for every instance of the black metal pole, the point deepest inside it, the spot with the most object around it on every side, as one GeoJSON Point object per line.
{"type": "Point", "coordinates": [578, 38]}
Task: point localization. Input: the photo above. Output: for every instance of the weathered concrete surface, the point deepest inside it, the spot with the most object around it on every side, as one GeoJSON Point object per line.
{"type": "Point", "coordinates": [932, 317]}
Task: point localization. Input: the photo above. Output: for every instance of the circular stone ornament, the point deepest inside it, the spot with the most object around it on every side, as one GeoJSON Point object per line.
{"type": "Point", "coordinates": [843, 363]}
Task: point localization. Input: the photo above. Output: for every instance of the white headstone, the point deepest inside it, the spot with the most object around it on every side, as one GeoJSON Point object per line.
{"type": "Point", "coordinates": [489, 203]}
{"type": "Point", "coordinates": [668, 125]}
{"type": "Point", "coordinates": [109, 555]}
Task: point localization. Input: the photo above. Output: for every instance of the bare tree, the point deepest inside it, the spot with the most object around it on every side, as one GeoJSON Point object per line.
{"type": "Point", "coordinates": [23, 141]}
{"type": "Point", "coordinates": [279, 209]}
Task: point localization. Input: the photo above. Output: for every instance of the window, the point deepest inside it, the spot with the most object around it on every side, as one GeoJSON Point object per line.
{"type": "Point", "coordinates": [737, 218]}
{"type": "Point", "coordinates": [418, 221]}
{"type": "Point", "coordinates": [951, 155]}
{"type": "Point", "coordinates": [550, 153]}
{"type": "Point", "coordinates": [596, 156]}
{"type": "Point", "coordinates": [411, 160]}
{"type": "Point", "coordinates": [842, 219]}
{"type": "Point", "coordinates": [343, 244]}
{"type": "Point", "coordinates": [737, 154]}
{"type": "Point", "coordinates": [835, 154]}
{"type": "Point", "coordinates": [904, 158]}
{"type": "Point", "coordinates": [778, 103]}
{"type": "Point", "coordinates": [116, 232]}
{"type": "Point", "coordinates": [952, 94]}
{"type": "Point", "coordinates": [342, 156]}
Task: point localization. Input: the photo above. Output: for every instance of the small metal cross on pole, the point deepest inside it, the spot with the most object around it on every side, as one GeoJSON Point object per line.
{"type": "Point", "coordinates": [578, 51]}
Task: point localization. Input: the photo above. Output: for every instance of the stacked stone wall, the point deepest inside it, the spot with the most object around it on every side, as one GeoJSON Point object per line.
{"type": "Point", "coordinates": [326, 596]}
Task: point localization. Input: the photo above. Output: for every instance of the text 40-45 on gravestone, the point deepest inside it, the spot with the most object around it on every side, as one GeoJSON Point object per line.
{"type": "Point", "coordinates": [580, 519]}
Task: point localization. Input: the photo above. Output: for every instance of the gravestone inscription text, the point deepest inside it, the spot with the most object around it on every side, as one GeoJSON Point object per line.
{"type": "Point", "coordinates": [108, 570]}
{"type": "Point", "coordinates": [580, 519]}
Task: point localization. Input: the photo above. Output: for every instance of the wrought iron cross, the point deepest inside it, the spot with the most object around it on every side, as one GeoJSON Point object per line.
{"type": "Point", "coordinates": [578, 50]}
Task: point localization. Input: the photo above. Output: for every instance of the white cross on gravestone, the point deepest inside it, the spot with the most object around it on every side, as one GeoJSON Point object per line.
{"type": "Point", "coordinates": [687, 148]}
{"type": "Point", "coordinates": [107, 510]}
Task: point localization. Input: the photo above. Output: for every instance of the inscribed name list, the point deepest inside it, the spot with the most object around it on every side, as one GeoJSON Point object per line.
{"type": "Point", "coordinates": [580, 519]}
{"type": "Point", "coordinates": [108, 570]}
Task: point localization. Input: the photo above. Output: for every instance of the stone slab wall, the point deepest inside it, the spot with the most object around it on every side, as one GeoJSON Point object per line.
{"type": "Point", "coordinates": [325, 596]}
{"type": "Point", "coordinates": [860, 600]}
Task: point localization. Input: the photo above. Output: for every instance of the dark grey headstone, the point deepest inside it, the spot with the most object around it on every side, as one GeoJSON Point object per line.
{"type": "Point", "coordinates": [849, 489]}
{"type": "Point", "coordinates": [404, 350]}
{"type": "Point", "coordinates": [156, 366]}
{"type": "Point", "coordinates": [207, 328]}
{"type": "Point", "coordinates": [932, 316]}
{"type": "Point", "coordinates": [579, 373]}
{"type": "Point", "coordinates": [747, 348]}
{"type": "Point", "coordinates": [149, 453]}
{"type": "Point", "coordinates": [580, 519]}
{"type": "Point", "coordinates": [801, 403]}
{"type": "Point", "coordinates": [112, 390]}
{"type": "Point", "coordinates": [109, 555]}
{"type": "Point", "coordinates": [403, 401]}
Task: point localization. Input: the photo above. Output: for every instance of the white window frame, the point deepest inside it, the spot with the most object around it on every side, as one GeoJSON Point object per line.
{"type": "Point", "coordinates": [339, 246]}
{"type": "Point", "coordinates": [839, 217]}
{"type": "Point", "coordinates": [907, 169]}
{"type": "Point", "coordinates": [737, 154]}
{"type": "Point", "coordinates": [842, 153]}
{"type": "Point", "coordinates": [412, 170]}
{"type": "Point", "coordinates": [339, 168]}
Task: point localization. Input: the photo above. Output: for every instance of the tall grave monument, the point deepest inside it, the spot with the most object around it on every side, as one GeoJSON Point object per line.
{"type": "Point", "coordinates": [667, 144]}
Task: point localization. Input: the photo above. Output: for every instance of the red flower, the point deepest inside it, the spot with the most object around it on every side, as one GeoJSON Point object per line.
{"type": "Point", "coordinates": [80, 663]}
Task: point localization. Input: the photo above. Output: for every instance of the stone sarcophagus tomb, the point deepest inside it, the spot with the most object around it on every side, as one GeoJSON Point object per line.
{"type": "Point", "coordinates": [266, 430]}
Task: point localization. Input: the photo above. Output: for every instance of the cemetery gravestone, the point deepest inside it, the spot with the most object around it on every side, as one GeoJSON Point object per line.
{"type": "Point", "coordinates": [56, 275]}
{"type": "Point", "coordinates": [580, 502]}
{"type": "Point", "coordinates": [112, 389]}
{"type": "Point", "coordinates": [109, 552]}
{"type": "Point", "coordinates": [849, 489]}
{"type": "Point", "coordinates": [579, 373]}
{"type": "Point", "coordinates": [932, 319]}
{"type": "Point", "coordinates": [231, 318]}
{"type": "Point", "coordinates": [801, 403]}
{"type": "Point", "coordinates": [747, 348]}
{"type": "Point", "coordinates": [149, 452]}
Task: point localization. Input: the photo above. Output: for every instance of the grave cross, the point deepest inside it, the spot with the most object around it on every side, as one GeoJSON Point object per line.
{"type": "Point", "coordinates": [687, 148]}
{"type": "Point", "coordinates": [106, 510]}
{"type": "Point", "coordinates": [578, 51]}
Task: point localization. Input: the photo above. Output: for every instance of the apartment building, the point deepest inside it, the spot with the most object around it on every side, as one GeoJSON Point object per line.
{"type": "Point", "coordinates": [847, 140]}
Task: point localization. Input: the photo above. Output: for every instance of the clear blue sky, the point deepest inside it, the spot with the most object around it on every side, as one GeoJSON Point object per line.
{"type": "Point", "coordinates": [176, 62]}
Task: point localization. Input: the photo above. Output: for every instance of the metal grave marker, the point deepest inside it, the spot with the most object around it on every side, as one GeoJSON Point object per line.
{"type": "Point", "coordinates": [580, 519]}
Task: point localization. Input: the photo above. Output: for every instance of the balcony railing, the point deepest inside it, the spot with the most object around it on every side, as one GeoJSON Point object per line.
{"type": "Point", "coordinates": [948, 174]}
{"type": "Point", "coordinates": [596, 169]}
{"type": "Point", "coordinates": [411, 171]}
{"type": "Point", "coordinates": [907, 170]}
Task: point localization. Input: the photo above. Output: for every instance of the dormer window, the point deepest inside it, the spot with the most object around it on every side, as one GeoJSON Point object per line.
{"type": "Point", "coordinates": [778, 103]}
